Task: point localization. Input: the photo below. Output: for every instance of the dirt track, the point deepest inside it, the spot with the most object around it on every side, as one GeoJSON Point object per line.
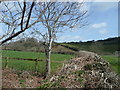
{"type": "Point", "coordinates": [86, 54]}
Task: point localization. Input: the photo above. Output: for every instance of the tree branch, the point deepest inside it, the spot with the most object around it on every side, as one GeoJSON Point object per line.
{"type": "Point", "coordinates": [23, 14]}
{"type": "Point", "coordinates": [22, 30]}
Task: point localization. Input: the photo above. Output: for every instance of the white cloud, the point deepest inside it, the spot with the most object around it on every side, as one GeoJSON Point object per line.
{"type": "Point", "coordinates": [104, 31]}
{"type": "Point", "coordinates": [99, 25]}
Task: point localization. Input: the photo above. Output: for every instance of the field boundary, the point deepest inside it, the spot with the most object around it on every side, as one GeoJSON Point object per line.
{"type": "Point", "coordinates": [23, 59]}
{"type": "Point", "coordinates": [35, 60]}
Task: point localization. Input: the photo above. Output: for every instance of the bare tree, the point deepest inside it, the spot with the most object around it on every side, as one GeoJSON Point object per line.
{"type": "Point", "coordinates": [13, 16]}
{"type": "Point", "coordinates": [54, 16]}
{"type": "Point", "coordinates": [17, 17]}
{"type": "Point", "coordinates": [58, 17]}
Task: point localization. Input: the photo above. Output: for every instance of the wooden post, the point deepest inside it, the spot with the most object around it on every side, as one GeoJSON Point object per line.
{"type": "Point", "coordinates": [36, 62]}
{"type": "Point", "coordinates": [6, 63]}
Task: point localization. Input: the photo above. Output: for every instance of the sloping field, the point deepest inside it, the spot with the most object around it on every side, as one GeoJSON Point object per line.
{"type": "Point", "coordinates": [56, 60]}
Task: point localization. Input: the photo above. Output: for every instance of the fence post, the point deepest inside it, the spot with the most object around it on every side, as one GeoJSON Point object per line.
{"type": "Point", "coordinates": [6, 63]}
{"type": "Point", "coordinates": [36, 62]}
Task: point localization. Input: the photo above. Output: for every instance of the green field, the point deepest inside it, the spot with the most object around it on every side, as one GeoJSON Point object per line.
{"type": "Point", "coordinates": [56, 60]}
{"type": "Point", "coordinates": [102, 47]}
{"type": "Point", "coordinates": [113, 60]}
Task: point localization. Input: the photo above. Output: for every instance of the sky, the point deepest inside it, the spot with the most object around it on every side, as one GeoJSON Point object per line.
{"type": "Point", "coordinates": [102, 23]}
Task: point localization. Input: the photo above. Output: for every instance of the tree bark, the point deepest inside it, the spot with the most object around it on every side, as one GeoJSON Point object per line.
{"type": "Point", "coordinates": [48, 64]}
{"type": "Point", "coordinates": [48, 70]}
{"type": "Point", "coordinates": [48, 56]}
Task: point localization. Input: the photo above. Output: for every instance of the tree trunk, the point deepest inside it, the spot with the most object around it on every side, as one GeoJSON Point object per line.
{"type": "Point", "coordinates": [48, 48]}
{"type": "Point", "coordinates": [48, 55]}
{"type": "Point", "coordinates": [48, 63]}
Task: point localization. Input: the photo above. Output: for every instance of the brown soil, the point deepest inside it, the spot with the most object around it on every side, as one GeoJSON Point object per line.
{"type": "Point", "coordinates": [13, 79]}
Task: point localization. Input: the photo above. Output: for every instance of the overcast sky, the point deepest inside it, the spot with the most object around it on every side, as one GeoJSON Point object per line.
{"type": "Point", "coordinates": [102, 20]}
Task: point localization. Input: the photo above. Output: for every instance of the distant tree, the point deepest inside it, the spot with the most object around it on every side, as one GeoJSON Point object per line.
{"type": "Point", "coordinates": [80, 41]}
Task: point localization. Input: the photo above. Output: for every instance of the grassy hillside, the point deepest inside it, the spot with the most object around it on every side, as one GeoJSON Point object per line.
{"type": "Point", "coordinates": [107, 46]}
{"type": "Point", "coordinates": [103, 47]}
{"type": "Point", "coordinates": [31, 44]}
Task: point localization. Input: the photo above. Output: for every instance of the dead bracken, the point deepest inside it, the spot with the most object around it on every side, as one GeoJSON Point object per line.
{"type": "Point", "coordinates": [88, 70]}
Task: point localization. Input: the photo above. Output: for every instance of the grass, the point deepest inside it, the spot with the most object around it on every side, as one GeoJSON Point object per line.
{"type": "Point", "coordinates": [79, 72]}
{"type": "Point", "coordinates": [106, 47]}
{"type": "Point", "coordinates": [22, 81]}
{"type": "Point", "coordinates": [114, 61]}
{"type": "Point", "coordinates": [29, 65]}
{"type": "Point", "coordinates": [34, 55]}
